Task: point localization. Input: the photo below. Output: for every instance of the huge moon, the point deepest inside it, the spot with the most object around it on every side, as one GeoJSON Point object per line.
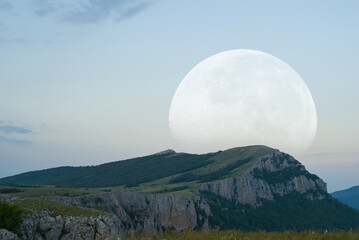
{"type": "Point", "coordinates": [243, 97]}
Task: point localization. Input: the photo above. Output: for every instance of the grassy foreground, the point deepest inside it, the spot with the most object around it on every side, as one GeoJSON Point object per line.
{"type": "Point", "coordinates": [238, 235]}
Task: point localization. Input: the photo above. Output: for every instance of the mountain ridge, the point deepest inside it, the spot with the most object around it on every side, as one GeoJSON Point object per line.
{"type": "Point", "coordinates": [348, 196]}
{"type": "Point", "coordinates": [247, 188]}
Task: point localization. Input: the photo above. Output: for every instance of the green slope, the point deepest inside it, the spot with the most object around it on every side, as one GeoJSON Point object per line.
{"type": "Point", "coordinates": [40, 177]}
{"type": "Point", "coordinates": [348, 196]}
{"type": "Point", "coordinates": [168, 170]}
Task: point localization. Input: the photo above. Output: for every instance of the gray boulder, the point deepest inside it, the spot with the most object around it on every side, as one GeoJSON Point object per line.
{"type": "Point", "coordinates": [7, 235]}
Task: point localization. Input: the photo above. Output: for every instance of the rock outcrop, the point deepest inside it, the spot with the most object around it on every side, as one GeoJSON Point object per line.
{"type": "Point", "coordinates": [275, 173]}
{"type": "Point", "coordinates": [44, 226]}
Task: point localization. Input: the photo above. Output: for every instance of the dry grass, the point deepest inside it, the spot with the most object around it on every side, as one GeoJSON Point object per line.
{"type": "Point", "coordinates": [238, 235]}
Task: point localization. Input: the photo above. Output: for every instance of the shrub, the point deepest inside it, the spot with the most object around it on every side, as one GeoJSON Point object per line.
{"type": "Point", "coordinates": [10, 216]}
{"type": "Point", "coordinates": [9, 190]}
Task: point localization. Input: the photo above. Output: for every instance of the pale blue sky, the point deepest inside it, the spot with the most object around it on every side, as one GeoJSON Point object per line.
{"type": "Point", "coordinates": [84, 82]}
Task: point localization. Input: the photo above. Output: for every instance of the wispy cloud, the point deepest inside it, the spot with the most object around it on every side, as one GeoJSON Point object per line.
{"type": "Point", "coordinates": [91, 11]}
{"type": "Point", "coordinates": [133, 11]}
{"type": "Point", "coordinates": [5, 5]}
{"type": "Point", "coordinates": [11, 40]}
{"type": "Point", "coordinates": [14, 141]}
{"type": "Point", "coordinates": [8, 129]}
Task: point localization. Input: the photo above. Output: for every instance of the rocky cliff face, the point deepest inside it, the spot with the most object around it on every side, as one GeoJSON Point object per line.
{"type": "Point", "coordinates": [149, 213]}
{"type": "Point", "coordinates": [275, 173]}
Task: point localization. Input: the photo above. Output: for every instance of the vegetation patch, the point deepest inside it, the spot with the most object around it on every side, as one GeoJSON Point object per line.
{"type": "Point", "coordinates": [10, 190]}
{"type": "Point", "coordinates": [186, 177]}
{"type": "Point", "coordinates": [39, 177]}
{"type": "Point", "coordinates": [222, 172]}
{"type": "Point", "coordinates": [281, 176]}
{"type": "Point", "coordinates": [56, 208]}
{"type": "Point", "coordinates": [212, 176]}
{"type": "Point", "coordinates": [37, 191]}
{"type": "Point", "coordinates": [10, 216]}
{"type": "Point", "coordinates": [174, 189]}
{"type": "Point", "coordinates": [290, 212]}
